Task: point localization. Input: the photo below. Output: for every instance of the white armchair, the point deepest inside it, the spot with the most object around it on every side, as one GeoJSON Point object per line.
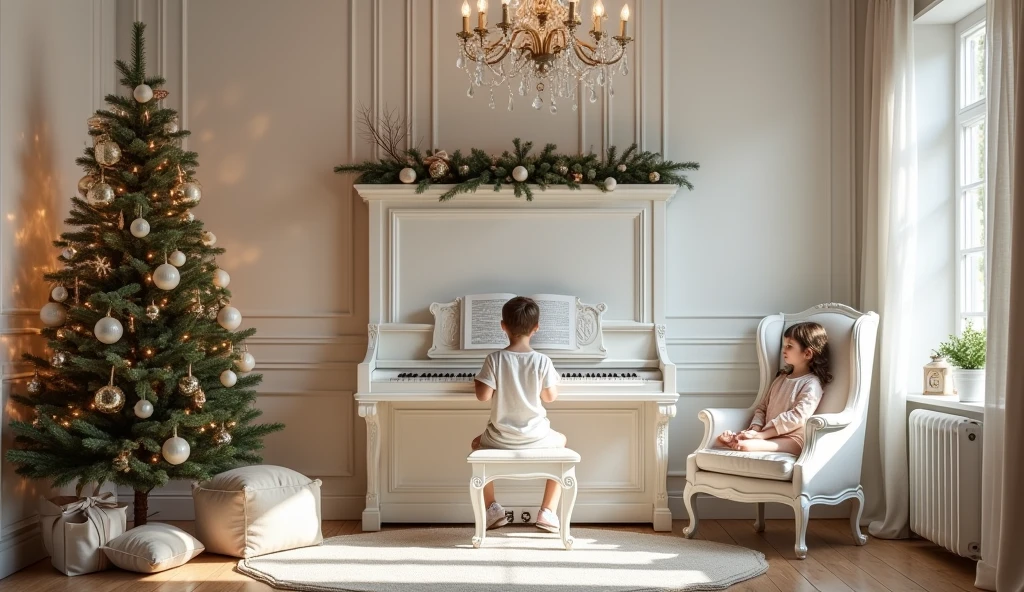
{"type": "Point", "coordinates": [828, 468]}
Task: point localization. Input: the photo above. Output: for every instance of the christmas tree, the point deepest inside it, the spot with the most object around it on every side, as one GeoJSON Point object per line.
{"type": "Point", "coordinates": [140, 385]}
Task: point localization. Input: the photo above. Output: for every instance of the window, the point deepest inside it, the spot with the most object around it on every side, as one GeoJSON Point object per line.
{"type": "Point", "coordinates": [970, 172]}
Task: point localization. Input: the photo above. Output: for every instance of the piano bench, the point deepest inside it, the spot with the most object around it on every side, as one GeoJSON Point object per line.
{"type": "Point", "coordinates": [532, 463]}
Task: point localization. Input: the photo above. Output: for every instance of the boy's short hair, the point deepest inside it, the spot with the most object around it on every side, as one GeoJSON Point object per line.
{"type": "Point", "coordinates": [521, 315]}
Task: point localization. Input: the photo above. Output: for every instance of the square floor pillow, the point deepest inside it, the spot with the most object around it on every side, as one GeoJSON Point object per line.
{"type": "Point", "coordinates": [152, 547]}
{"type": "Point", "coordinates": [251, 511]}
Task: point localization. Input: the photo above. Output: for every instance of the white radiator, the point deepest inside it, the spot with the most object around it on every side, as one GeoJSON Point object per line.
{"type": "Point", "coordinates": [945, 480]}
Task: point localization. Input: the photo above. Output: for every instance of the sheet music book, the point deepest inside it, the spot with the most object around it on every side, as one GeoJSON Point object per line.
{"type": "Point", "coordinates": [481, 321]}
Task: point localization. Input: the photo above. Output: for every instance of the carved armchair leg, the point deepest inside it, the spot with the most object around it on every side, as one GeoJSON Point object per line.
{"type": "Point", "coordinates": [759, 521]}
{"type": "Point", "coordinates": [855, 516]}
{"type": "Point", "coordinates": [801, 509]}
{"type": "Point", "coordinates": [690, 501]}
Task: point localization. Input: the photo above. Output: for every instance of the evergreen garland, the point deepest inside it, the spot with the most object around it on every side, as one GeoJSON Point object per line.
{"type": "Point", "coordinates": [467, 173]}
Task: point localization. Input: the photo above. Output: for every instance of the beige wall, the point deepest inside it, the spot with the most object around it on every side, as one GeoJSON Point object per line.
{"type": "Point", "coordinates": [759, 93]}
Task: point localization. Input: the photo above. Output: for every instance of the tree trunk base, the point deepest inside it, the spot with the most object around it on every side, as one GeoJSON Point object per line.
{"type": "Point", "coordinates": [141, 507]}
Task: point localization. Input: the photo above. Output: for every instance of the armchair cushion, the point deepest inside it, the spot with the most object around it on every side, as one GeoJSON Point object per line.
{"type": "Point", "coordinates": [759, 465]}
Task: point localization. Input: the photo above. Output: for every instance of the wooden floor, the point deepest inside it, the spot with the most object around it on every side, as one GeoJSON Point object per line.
{"type": "Point", "coordinates": [833, 563]}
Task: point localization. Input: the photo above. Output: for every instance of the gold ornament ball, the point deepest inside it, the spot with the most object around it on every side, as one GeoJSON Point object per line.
{"type": "Point", "coordinates": [101, 194]}
{"type": "Point", "coordinates": [209, 238]}
{"type": "Point", "coordinates": [464, 169]}
{"type": "Point", "coordinates": [152, 312]}
{"type": "Point", "coordinates": [35, 386]}
{"type": "Point", "coordinates": [222, 437]}
{"type": "Point", "coordinates": [108, 153]}
{"type": "Point", "coordinates": [438, 169]}
{"type": "Point", "coordinates": [199, 398]}
{"type": "Point", "coordinates": [188, 384]}
{"type": "Point", "coordinates": [109, 399]}
{"type": "Point", "coordinates": [96, 122]}
{"type": "Point", "coordinates": [621, 168]}
{"type": "Point", "coordinates": [121, 463]}
{"type": "Point", "coordinates": [171, 127]}
{"type": "Point", "coordinates": [654, 177]}
{"type": "Point", "coordinates": [85, 184]}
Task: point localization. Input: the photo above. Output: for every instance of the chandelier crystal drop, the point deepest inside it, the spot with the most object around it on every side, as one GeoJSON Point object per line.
{"type": "Point", "coordinates": [536, 42]}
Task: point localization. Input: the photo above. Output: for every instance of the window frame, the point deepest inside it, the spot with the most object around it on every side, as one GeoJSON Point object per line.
{"type": "Point", "coordinates": [964, 117]}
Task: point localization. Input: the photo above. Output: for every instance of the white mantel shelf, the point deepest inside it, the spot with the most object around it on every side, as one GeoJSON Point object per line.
{"type": "Point", "coordinates": [486, 193]}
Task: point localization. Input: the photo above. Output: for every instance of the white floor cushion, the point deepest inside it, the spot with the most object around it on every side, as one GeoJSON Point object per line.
{"type": "Point", "coordinates": [252, 511]}
{"type": "Point", "coordinates": [760, 465]}
{"type": "Point", "coordinates": [151, 548]}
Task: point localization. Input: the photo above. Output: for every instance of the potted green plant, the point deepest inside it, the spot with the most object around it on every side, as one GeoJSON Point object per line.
{"type": "Point", "coordinates": [966, 352]}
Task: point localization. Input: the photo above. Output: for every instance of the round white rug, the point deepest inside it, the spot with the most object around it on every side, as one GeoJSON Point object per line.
{"type": "Point", "coordinates": [511, 559]}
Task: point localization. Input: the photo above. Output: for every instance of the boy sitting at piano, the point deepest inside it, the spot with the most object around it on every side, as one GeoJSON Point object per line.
{"type": "Point", "coordinates": [517, 380]}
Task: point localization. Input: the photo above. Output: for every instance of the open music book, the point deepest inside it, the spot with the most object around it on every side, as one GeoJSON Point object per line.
{"type": "Point", "coordinates": [481, 322]}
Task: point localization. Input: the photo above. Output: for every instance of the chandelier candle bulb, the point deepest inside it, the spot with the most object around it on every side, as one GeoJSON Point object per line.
{"type": "Point", "coordinates": [572, 12]}
{"type": "Point", "coordinates": [624, 15]}
{"type": "Point", "coordinates": [504, 12]}
{"type": "Point", "coordinates": [465, 16]}
{"type": "Point", "coordinates": [598, 15]}
{"type": "Point", "coordinates": [481, 5]}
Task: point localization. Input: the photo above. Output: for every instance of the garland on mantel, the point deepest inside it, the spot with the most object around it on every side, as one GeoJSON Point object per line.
{"type": "Point", "coordinates": [519, 169]}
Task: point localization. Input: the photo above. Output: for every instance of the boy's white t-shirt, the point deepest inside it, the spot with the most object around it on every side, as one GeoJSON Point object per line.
{"type": "Point", "coordinates": [518, 417]}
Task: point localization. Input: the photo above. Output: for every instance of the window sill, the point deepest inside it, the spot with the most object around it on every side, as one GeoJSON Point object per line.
{"type": "Point", "coordinates": [947, 403]}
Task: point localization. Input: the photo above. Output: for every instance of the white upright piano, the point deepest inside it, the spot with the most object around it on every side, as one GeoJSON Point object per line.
{"type": "Point", "coordinates": [617, 394]}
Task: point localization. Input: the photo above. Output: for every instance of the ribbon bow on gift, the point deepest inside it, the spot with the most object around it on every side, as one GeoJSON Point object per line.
{"type": "Point", "coordinates": [439, 156]}
{"type": "Point", "coordinates": [103, 500]}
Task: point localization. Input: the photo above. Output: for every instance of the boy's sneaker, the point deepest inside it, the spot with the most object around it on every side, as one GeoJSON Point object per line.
{"type": "Point", "coordinates": [496, 516]}
{"type": "Point", "coordinates": [547, 520]}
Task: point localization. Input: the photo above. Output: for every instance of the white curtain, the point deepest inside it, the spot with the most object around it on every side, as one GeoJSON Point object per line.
{"type": "Point", "coordinates": [1002, 545]}
{"type": "Point", "coordinates": [888, 220]}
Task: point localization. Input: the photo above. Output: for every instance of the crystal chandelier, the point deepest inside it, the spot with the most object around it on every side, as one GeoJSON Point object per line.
{"type": "Point", "coordinates": [537, 43]}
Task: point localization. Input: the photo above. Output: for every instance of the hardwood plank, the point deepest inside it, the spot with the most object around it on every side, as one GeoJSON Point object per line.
{"type": "Point", "coordinates": [781, 534]}
{"type": "Point", "coordinates": [862, 558]}
{"type": "Point", "coordinates": [714, 532]}
{"type": "Point", "coordinates": [840, 566]}
{"type": "Point", "coordinates": [780, 572]}
{"type": "Point", "coordinates": [908, 558]}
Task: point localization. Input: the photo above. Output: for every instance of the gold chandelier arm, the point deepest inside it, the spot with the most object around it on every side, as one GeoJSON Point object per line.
{"type": "Point", "coordinates": [585, 52]}
{"type": "Point", "coordinates": [503, 46]}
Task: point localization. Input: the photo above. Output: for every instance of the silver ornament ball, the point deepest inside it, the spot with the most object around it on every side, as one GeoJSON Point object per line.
{"type": "Point", "coordinates": [166, 277]}
{"type": "Point", "coordinates": [463, 169]}
{"type": "Point", "coordinates": [221, 279]}
{"type": "Point", "coordinates": [101, 194]}
{"type": "Point", "coordinates": [143, 93]}
{"type": "Point", "coordinates": [176, 450]}
{"type": "Point", "coordinates": [35, 386]}
{"type": "Point", "coordinates": [140, 228]}
{"type": "Point", "coordinates": [143, 409]}
{"type": "Point", "coordinates": [69, 253]}
{"type": "Point", "coordinates": [109, 399]}
{"type": "Point", "coordinates": [171, 127]}
{"type": "Point", "coordinates": [59, 293]}
{"type": "Point", "coordinates": [407, 175]}
{"type": "Point", "coordinates": [58, 359]}
{"type": "Point", "coordinates": [246, 362]}
{"type": "Point", "coordinates": [520, 173]}
{"type": "Point", "coordinates": [228, 378]}
{"type": "Point", "coordinates": [229, 317]}
{"type": "Point", "coordinates": [189, 192]}
{"type": "Point", "coordinates": [53, 314]}
{"type": "Point", "coordinates": [152, 312]}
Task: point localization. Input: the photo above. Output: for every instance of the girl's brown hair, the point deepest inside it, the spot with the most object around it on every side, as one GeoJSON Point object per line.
{"type": "Point", "coordinates": [812, 336]}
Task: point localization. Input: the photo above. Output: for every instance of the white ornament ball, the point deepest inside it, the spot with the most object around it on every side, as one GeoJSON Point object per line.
{"type": "Point", "coordinates": [171, 127]}
{"type": "Point", "coordinates": [143, 409]}
{"type": "Point", "coordinates": [59, 293]}
{"type": "Point", "coordinates": [520, 173]}
{"type": "Point", "coordinates": [229, 318]}
{"type": "Point", "coordinates": [610, 183]}
{"type": "Point", "coordinates": [140, 228]}
{"type": "Point", "coordinates": [53, 314]}
{"type": "Point", "coordinates": [176, 450]}
{"type": "Point", "coordinates": [143, 93]}
{"type": "Point", "coordinates": [209, 238]}
{"type": "Point", "coordinates": [108, 330]}
{"type": "Point", "coordinates": [407, 175]}
{"type": "Point", "coordinates": [177, 259]}
{"type": "Point", "coordinates": [246, 363]}
{"type": "Point", "coordinates": [166, 277]}
{"type": "Point", "coordinates": [228, 378]}
{"type": "Point", "coordinates": [69, 253]}
{"type": "Point", "coordinates": [221, 279]}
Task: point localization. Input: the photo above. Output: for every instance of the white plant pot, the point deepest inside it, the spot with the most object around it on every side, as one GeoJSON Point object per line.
{"type": "Point", "coordinates": [969, 384]}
